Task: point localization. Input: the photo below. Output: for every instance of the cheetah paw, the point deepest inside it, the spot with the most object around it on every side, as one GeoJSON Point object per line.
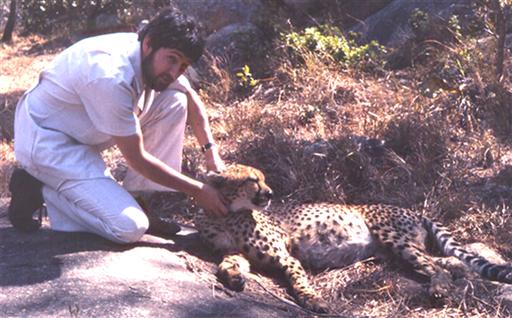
{"type": "Point", "coordinates": [440, 286]}
{"type": "Point", "coordinates": [233, 279]}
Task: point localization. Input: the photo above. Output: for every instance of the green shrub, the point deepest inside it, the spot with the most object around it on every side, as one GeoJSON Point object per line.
{"type": "Point", "coordinates": [245, 79]}
{"type": "Point", "coordinates": [419, 21]}
{"type": "Point", "coordinates": [329, 42]}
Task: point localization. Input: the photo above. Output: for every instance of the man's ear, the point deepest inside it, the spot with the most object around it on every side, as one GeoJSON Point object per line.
{"type": "Point", "coordinates": [146, 45]}
{"type": "Point", "coordinates": [215, 179]}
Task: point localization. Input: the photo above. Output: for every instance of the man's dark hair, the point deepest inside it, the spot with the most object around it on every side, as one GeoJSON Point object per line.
{"type": "Point", "coordinates": [172, 29]}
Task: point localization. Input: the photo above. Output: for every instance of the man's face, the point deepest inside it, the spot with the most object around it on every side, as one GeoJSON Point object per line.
{"type": "Point", "coordinates": [161, 67]}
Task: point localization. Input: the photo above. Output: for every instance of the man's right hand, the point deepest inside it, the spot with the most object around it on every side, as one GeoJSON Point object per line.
{"type": "Point", "coordinates": [154, 169]}
{"type": "Point", "coordinates": [212, 201]}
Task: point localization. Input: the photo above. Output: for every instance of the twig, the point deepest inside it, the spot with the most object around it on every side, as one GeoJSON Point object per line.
{"type": "Point", "coordinates": [463, 304]}
{"type": "Point", "coordinates": [371, 291]}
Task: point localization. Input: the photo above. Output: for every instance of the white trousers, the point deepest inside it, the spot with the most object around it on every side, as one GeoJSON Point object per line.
{"type": "Point", "coordinates": [101, 205]}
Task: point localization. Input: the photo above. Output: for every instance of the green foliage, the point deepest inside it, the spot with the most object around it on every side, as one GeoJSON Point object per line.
{"type": "Point", "coordinates": [329, 42]}
{"type": "Point", "coordinates": [455, 27]}
{"type": "Point", "coordinates": [245, 79]}
{"type": "Point", "coordinates": [419, 22]}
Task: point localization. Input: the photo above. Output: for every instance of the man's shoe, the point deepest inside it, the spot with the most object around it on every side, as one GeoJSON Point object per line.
{"type": "Point", "coordinates": [26, 198]}
{"type": "Point", "coordinates": [162, 228]}
{"type": "Point", "coordinates": [157, 226]}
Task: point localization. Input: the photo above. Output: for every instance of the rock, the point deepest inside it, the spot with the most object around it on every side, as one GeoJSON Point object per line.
{"type": "Point", "coordinates": [370, 146]}
{"type": "Point", "coordinates": [236, 44]}
{"type": "Point", "coordinates": [486, 252]}
{"type": "Point", "coordinates": [216, 14]}
{"type": "Point", "coordinates": [390, 26]}
{"type": "Point", "coordinates": [55, 274]}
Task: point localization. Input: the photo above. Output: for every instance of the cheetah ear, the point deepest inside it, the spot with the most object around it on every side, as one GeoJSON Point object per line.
{"type": "Point", "coordinates": [215, 179]}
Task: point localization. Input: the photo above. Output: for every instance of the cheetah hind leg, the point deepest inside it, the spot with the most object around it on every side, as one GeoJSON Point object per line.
{"type": "Point", "coordinates": [232, 271]}
{"type": "Point", "coordinates": [440, 279]}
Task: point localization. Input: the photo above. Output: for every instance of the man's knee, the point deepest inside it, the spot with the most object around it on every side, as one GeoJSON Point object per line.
{"type": "Point", "coordinates": [130, 225]}
{"type": "Point", "coordinates": [174, 100]}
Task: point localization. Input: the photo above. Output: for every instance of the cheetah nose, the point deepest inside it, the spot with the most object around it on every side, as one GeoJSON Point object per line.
{"type": "Point", "coordinates": [269, 194]}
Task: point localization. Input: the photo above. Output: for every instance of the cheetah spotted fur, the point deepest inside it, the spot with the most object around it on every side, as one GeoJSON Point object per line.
{"type": "Point", "coordinates": [321, 236]}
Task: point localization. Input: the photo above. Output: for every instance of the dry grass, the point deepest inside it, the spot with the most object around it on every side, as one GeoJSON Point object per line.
{"type": "Point", "coordinates": [321, 133]}
{"type": "Point", "coordinates": [7, 163]}
{"type": "Point", "coordinates": [324, 134]}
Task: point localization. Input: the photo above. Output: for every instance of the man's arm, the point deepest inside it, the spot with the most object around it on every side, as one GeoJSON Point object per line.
{"type": "Point", "coordinates": [198, 120]}
{"type": "Point", "coordinates": [149, 166]}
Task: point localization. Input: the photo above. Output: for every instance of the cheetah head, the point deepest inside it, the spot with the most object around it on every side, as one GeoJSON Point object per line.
{"type": "Point", "coordinates": [243, 186]}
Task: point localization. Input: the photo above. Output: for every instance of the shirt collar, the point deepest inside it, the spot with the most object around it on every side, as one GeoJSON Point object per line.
{"type": "Point", "coordinates": [136, 61]}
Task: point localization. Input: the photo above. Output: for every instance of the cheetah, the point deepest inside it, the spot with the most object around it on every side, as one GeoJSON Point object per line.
{"type": "Point", "coordinates": [321, 236]}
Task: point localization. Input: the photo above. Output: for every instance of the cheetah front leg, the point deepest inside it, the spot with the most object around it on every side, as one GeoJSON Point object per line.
{"type": "Point", "coordinates": [301, 288]}
{"type": "Point", "coordinates": [232, 271]}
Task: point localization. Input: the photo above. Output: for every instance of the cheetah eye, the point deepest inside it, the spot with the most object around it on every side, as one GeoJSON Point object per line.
{"type": "Point", "coordinates": [255, 184]}
{"type": "Point", "coordinates": [250, 179]}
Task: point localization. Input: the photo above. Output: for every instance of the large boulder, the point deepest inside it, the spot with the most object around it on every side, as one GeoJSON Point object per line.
{"type": "Point", "coordinates": [58, 274]}
{"type": "Point", "coordinates": [216, 14]}
{"type": "Point", "coordinates": [239, 30]}
{"type": "Point", "coordinates": [390, 26]}
{"type": "Point", "coordinates": [234, 28]}
{"type": "Point", "coordinates": [340, 12]}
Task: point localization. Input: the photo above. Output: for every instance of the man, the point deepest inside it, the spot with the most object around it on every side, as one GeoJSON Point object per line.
{"type": "Point", "coordinates": [118, 89]}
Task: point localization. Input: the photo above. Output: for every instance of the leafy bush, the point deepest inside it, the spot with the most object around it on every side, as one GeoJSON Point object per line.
{"type": "Point", "coordinates": [328, 41]}
{"type": "Point", "coordinates": [419, 21]}
{"type": "Point", "coordinates": [245, 79]}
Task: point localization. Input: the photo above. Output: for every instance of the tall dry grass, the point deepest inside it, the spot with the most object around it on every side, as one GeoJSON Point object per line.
{"type": "Point", "coordinates": [323, 133]}
{"type": "Point", "coordinates": [7, 163]}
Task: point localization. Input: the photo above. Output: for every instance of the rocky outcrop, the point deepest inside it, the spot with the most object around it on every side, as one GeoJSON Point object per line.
{"type": "Point", "coordinates": [390, 26]}
{"type": "Point", "coordinates": [55, 274]}
{"type": "Point", "coordinates": [216, 14]}
{"type": "Point", "coordinates": [239, 30]}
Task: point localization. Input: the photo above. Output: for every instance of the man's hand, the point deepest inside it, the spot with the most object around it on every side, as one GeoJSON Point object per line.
{"type": "Point", "coordinates": [212, 201]}
{"type": "Point", "coordinates": [214, 161]}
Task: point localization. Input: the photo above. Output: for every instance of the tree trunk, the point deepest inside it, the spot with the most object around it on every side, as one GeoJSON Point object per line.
{"type": "Point", "coordinates": [500, 24]}
{"type": "Point", "coordinates": [11, 21]}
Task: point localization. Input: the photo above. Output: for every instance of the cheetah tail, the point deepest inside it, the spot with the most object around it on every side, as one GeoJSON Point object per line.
{"type": "Point", "coordinates": [450, 247]}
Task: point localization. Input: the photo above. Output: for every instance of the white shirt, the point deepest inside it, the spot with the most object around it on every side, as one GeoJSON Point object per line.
{"type": "Point", "coordinates": [91, 89]}
{"type": "Point", "coordinates": [88, 94]}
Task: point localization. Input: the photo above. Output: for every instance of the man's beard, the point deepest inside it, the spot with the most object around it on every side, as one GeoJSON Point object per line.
{"type": "Point", "coordinates": [155, 82]}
